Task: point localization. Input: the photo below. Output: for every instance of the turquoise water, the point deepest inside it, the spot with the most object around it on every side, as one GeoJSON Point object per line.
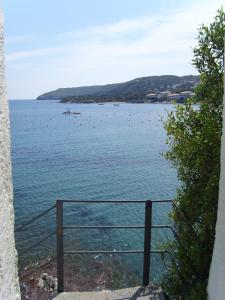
{"type": "Point", "coordinates": [106, 152]}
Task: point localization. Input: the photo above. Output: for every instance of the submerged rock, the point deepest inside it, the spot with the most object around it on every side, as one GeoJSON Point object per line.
{"type": "Point", "coordinates": [47, 282]}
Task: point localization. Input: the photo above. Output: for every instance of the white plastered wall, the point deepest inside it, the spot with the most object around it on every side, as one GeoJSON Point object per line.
{"type": "Point", "coordinates": [216, 284]}
{"type": "Point", "coordinates": [9, 286]}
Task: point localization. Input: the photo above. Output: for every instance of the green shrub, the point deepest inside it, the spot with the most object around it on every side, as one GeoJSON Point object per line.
{"type": "Point", "coordinates": [194, 135]}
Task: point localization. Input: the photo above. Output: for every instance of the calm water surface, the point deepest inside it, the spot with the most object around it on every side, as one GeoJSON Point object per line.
{"type": "Point", "coordinates": [106, 152]}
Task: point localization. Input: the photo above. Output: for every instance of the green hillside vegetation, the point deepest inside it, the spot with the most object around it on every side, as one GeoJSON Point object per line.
{"type": "Point", "coordinates": [131, 91]}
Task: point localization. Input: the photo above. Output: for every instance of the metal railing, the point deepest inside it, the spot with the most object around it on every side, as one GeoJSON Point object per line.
{"type": "Point", "coordinates": [44, 239]}
{"type": "Point", "coordinates": [40, 215]}
{"type": "Point", "coordinates": [148, 226]}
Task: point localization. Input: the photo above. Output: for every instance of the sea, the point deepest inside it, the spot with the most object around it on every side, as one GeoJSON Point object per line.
{"type": "Point", "coordinates": [103, 152]}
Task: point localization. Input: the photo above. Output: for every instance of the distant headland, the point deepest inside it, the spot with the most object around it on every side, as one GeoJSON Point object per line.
{"type": "Point", "coordinates": [151, 89]}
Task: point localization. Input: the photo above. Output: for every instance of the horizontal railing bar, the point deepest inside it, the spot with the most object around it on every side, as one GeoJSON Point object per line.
{"type": "Point", "coordinates": [116, 201]}
{"type": "Point", "coordinates": [102, 227]}
{"type": "Point", "coordinates": [161, 226]}
{"type": "Point", "coordinates": [116, 227]}
{"type": "Point", "coordinates": [112, 251]}
{"type": "Point", "coordinates": [162, 201]}
{"type": "Point", "coordinates": [35, 218]}
{"type": "Point", "coordinates": [39, 242]}
{"type": "Point", "coordinates": [104, 251]}
{"type": "Point", "coordinates": [104, 201]}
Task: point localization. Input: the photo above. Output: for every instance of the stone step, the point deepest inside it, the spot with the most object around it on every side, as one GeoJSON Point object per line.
{"type": "Point", "coordinates": [134, 293]}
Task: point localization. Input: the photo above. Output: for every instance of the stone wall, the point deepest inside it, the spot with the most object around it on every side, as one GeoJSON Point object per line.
{"type": "Point", "coordinates": [9, 286]}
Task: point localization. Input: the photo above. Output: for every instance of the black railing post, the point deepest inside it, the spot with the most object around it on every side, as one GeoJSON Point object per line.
{"type": "Point", "coordinates": [60, 250]}
{"type": "Point", "coordinates": [147, 242]}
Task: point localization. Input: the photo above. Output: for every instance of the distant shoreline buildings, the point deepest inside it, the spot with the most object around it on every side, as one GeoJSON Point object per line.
{"type": "Point", "coordinates": [168, 96]}
{"type": "Point", "coordinates": [178, 92]}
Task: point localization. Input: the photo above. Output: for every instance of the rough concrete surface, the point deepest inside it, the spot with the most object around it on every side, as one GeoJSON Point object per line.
{"type": "Point", "coordinates": [139, 293]}
{"type": "Point", "coordinates": [9, 286]}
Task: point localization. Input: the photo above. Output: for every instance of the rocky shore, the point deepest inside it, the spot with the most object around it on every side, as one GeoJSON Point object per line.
{"type": "Point", "coordinates": [38, 281]}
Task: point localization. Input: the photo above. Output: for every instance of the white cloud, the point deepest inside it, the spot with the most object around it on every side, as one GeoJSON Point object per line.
{"type": "Point", "coordinates": [15, 40]}
{"type": "Point", "coordinates": [118, 30]}
{"type": "Point", "coordinates": [16, 56]}
{"type": "Point", "coordinates": [145, 45]}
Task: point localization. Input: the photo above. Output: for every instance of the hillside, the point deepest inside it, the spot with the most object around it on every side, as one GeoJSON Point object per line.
{"type": "Point", "coordinates": [131, 91]}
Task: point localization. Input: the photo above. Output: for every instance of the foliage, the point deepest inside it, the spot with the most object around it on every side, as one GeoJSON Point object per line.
{"type": "Point", "coordinates": [194, 135]}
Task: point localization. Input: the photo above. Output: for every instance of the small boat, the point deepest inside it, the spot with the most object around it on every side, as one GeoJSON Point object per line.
{"type": "Point", "coordinates": [67, 112]}
{"type": "Point", "coordinates": [100, 103]}
{"type": "Point", "coordinates": [116, 104]}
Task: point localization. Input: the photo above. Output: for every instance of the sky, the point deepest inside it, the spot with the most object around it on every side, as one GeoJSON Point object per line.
{"type": "Point", "coordinates": [51, 44]}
